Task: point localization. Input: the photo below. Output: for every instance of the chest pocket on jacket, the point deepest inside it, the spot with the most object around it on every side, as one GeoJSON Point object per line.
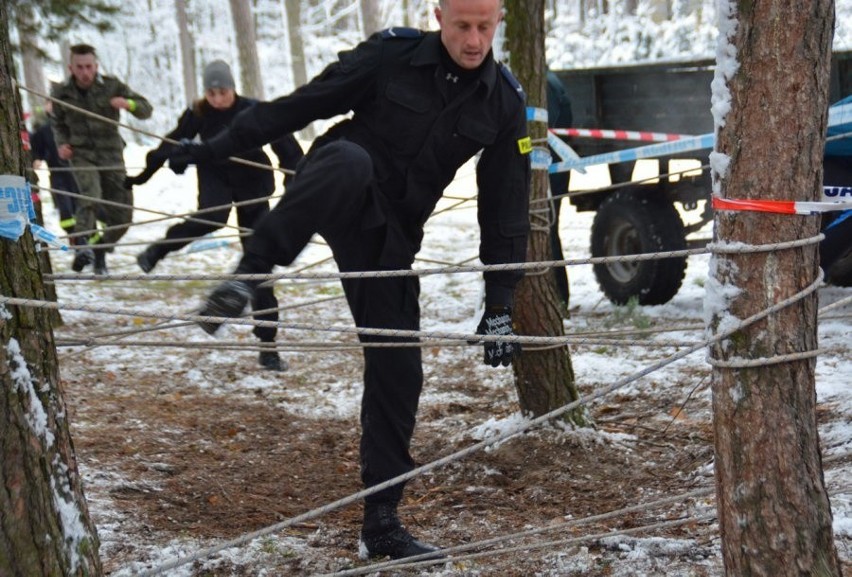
{"type": "Point", "coordinates": [407, 116]}
{"type": "Point", "coordinates": [470, 135]}
{"type": "Point", "coordinates": [477, 131]}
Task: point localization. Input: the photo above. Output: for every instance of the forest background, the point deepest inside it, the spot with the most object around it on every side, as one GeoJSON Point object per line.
{"type": "Point", "coordinates": [143, 519]}
{"type": "Point", "coordinates": [293, 40]}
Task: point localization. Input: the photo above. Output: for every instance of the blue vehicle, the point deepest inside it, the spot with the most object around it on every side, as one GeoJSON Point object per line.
{"type": "Point", "coordinates": [835, 251]}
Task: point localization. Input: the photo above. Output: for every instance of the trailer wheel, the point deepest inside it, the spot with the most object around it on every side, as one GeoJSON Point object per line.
{"type": "Point", "coordinates": [637, 222]}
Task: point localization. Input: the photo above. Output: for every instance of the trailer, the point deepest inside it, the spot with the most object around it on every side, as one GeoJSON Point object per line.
{"type": "Point", "coordinates": [670, 98]}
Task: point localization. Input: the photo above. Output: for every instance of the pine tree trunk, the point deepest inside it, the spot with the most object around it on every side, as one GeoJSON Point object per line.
{"type": "Point", "coordinates": [247, 46]}
{"type": "Point", "coordinates": [187, 52]}
{"type": "Point", "coordinates": [774, 512]}
{"type": "Point", "coordinates": [45, 528]}
{"type": "Point", "coordinates": [544, 378]}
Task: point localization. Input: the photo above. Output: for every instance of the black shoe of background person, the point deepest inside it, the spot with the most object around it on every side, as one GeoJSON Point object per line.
{"type": "Point", "coordinates": [384, 536]}
{"type": "Point", "coordinates": [82, 259]}
{"type": "Point", "coordinates": [272, 361]}
{"type": "Point", "coordinates": [100, 262]}
{"type": "Point", "coordinates": [229, 299]}
{"type": "Point", "coordinates": [148, 259]}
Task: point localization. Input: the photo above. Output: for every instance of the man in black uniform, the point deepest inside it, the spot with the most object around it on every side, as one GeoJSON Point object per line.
{"type": "Point", "coordinates": [423, 104]}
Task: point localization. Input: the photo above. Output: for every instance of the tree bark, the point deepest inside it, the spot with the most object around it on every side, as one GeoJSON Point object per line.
{"type": "Point", "coordinates": [774, 512]}
{"type": "Point", "coordinates": [30, 55]}
{"type": "Point", "coordinates": [371, 16]}
{"type": "Point", "coordinates": [187, 53]}
{"type": "Point", "coordinates": [45, 528]}
{"type": "Point", "coordinates": [297, 51]}
{"type": "Point", "coordinates": [247, 47]}
{"type": "Point", "coordinates": [544, 378]}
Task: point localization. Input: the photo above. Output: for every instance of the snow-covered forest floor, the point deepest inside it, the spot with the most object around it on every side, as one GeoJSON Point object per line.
{"type": "Point", "coordinates": [184, 447]}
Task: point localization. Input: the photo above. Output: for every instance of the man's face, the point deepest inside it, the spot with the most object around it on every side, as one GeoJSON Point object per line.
{"type": "Point", "coordinates": [467, 29]}
{"type": "Point", "coordinates": [84, 68]}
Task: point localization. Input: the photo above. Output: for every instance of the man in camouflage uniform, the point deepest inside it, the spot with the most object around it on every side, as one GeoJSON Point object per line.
{"type": "Point", "coordinates": [89, 142]}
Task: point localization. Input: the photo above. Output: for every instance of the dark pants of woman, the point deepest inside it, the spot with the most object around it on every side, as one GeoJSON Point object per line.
{"type": "Point", "coordinates": [219, 187]}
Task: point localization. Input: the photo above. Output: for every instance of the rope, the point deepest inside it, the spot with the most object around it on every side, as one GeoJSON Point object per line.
{"type": "Point", "coordinates": [148, 210]}
{"type": "Point", "coordinates": [139, 130]}
{"type": "Point", "coordinates": [763, 361]}
{"type": "Point", "coordinates": [455, 269]}
{"type": "Point", "coordinates": [391, 333]}
{"type": "Point", "coordinates": [451, 551]}
{"type": "Point", "coordinates": [736, 248]}
{"type": "Point", "coordinates": [167, 216]}
{"type": "Point", "coordinates": [488, 442]}
{"type": "Point", "coordinates": [559, 543]}
{"type": "Point", "coordinates": [412, 562]}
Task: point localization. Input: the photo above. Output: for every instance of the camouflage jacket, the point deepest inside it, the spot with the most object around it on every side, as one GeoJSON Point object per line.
{"type": "Point", "coordinates": [87, 134]}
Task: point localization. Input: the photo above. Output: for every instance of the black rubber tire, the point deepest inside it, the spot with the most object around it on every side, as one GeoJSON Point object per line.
{"type": "Point", "coordinates": [634, 221]}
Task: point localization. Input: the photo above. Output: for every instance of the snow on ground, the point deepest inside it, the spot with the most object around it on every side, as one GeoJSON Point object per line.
{"type": "Point", "coordinates": [449, 303]}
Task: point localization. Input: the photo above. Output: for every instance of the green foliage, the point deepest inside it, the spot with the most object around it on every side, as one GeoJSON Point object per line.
{"type": "Point", "coordinates": [629, 314]}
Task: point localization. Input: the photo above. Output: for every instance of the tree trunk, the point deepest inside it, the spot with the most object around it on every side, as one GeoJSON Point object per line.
{"type": "Point", "coordinates": [544, 378]}
{"type": "Point", "coordinates": [297, 51]}
{"type": "Point", "coordinates": [30, 55]}
{"type": "Point", "coordinates": [45, 528]}
{"type": "Point", "coordinates": [773, 509]}
{"type": "Point", "coordinates": [371, 16]}
{"type": "Point", "coordinates": [187, 53]}
{"type": "Point", "coordinates": [247, 47]}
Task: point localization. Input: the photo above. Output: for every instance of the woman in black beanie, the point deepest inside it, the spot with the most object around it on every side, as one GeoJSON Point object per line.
{"type": "Point", "coordinates": [221, 183]}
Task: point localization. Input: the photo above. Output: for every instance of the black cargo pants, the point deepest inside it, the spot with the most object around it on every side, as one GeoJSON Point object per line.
{"type": "Point", "coordinates": [217, 186]}
{"type": "Point", "coordinates": [330, 195]}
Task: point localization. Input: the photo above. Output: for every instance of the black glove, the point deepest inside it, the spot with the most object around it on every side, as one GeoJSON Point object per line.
{"type": "Point", "coordinates": [498, 321]}
{"type": "Point", "coordinates": [131, 181]}
{"type": "Point", "coordinates": [186, 153]}
{"type": "Point", "coordinates": [141, 178]}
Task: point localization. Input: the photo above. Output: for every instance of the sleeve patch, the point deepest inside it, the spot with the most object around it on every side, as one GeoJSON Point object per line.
{"type": "Point", "coordinates": [525, 145]}
{"type": "Point", "coordinates": [513, 82]}
{"type": "Point", "coordinates": [401, 32]}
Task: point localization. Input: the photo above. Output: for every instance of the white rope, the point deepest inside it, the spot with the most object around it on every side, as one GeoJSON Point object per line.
{"type": "Point", "coordinates": [499, 437]}
{"type": "Point", "coordinates": [763, 361]}
{"type": "Point", "coordinates": [740, 363]}
{"type": "Point", "coordinates": [139, 130]}
{"type": "Point", "coordinates": [452, 551]}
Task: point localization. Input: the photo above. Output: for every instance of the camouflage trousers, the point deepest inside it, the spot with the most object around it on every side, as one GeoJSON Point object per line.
{"type": "Point", "coordinates": [102, 185]}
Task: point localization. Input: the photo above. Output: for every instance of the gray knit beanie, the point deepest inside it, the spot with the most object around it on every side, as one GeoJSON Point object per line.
{"type": "Point", "coordinates": [217, 74]}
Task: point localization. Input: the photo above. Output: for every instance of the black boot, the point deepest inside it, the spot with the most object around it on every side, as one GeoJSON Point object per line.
{"type": "Point", "coordinates": [272, 361]}
{"type": "Point", "coordinates": [229, 299]}
{"type": "Point", "coordinates": [82, 259]}
{"type": "Point", "coordinates": [148, 258]}
{"type": "Point", "coordinates": [384, 536]}
{"type": "Point", "coordinates": [100, 262]}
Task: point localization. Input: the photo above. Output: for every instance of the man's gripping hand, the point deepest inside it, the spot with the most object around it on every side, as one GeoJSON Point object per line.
{"type": "Point", "coordinates": [186, 153]}
{"type": "Point", "coordinates": [498, 321]}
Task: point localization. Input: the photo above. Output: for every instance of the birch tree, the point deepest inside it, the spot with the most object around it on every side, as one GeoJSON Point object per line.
{"type": "Point", "coordinates": [247, 47]}
{"type": "Point", "coordinates": [30, 55]}
{"type": "Point", "coordinates": [371, 16]}
{"type": "Point", "coordinates": [772, 504]}
{"type": "Point", "coordinates": [293, 9]}
{"type": "Point", "coordinates": [544, 378]}
{"type": "Point", "coordinates": [187, 52]}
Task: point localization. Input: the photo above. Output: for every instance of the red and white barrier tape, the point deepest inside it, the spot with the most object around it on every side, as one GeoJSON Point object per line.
{"type": "Point", "coordinates": [835, 202]}
{"type": "Point", "coordinates": [618, 134]}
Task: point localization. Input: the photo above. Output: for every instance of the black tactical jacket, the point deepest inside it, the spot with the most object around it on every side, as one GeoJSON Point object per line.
{"type": "Point", "coordinates": [392, 83]}
{"type": "Point", "coordinates": [203, 121]}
